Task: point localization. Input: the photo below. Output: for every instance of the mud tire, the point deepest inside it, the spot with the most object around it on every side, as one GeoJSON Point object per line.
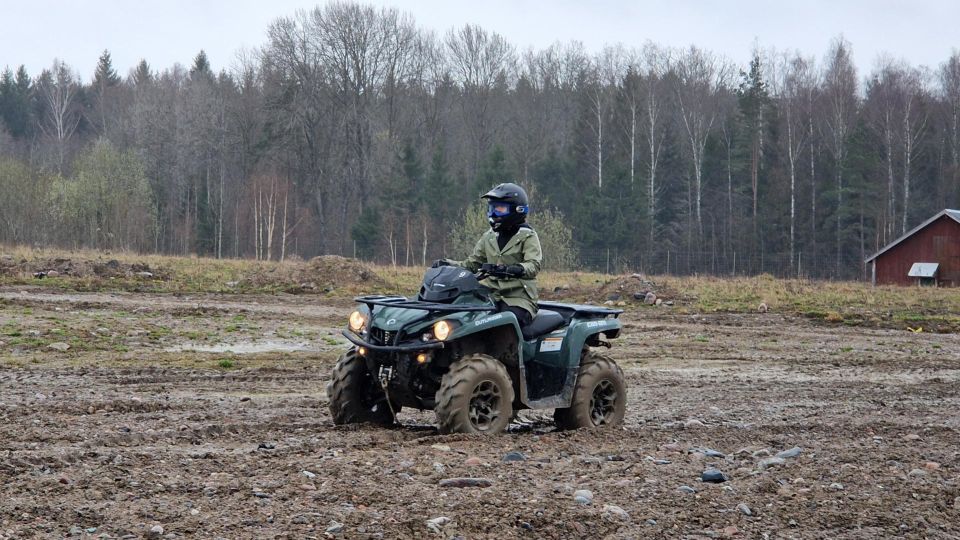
{"type": "Point", "coordinates": [599, 398]}
{"type": "Point", "coordinates": [475, 396]}
{"type": "Point", "coordinates": [354, 396]}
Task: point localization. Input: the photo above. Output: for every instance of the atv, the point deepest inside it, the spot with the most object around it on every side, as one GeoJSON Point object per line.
{"type": "Point", "coordinates": [450, 350]}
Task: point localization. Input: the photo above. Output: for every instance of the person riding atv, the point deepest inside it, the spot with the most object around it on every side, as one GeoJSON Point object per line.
{"type": "Point", "coordinates": [509, 252]}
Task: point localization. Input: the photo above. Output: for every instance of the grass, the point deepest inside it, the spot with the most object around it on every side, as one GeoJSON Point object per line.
{"type": "Point", "coordinates": [850, 303]}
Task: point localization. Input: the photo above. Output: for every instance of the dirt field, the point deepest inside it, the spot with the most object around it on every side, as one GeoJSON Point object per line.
{"type": "Point", "coordinates": [126, 415]}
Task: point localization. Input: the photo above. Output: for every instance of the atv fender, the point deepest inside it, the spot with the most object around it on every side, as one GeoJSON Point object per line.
{"type": "Point", "coordinates": [576, 337]}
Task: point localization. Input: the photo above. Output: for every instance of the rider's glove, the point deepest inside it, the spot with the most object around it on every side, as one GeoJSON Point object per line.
{"type": "Point", "coordinates": [438, 263]}
{"type": "Point", "coordinates": [514, 270]}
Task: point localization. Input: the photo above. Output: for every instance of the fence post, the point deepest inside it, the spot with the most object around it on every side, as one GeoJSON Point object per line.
{"type": "Point", "coordinates": [734, 264]}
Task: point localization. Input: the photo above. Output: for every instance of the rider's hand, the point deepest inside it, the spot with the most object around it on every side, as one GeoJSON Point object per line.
{"type": "Point", "coordinates": [438, 263]}
{"type": "Point", "coordinates": [514, 270]}
{"type": "Point", "coordinates": [488, 268]}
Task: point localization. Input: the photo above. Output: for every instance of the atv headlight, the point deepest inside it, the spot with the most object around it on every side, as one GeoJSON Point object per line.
{"type": "Point", "coordinates": [357, 321]}
{"type": "Point", "coordinates": [442, 330]}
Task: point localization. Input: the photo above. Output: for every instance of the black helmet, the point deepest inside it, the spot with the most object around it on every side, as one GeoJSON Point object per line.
{"type": "Point", "coordinates": [508, 206]}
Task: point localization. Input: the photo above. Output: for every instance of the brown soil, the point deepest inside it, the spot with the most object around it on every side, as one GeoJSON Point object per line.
{"type": "Point", "coordinates": [78, 268]}
{"type": "Point", "coordinates": [320, 274]}
{"type": "Point", "coordinates": [116, 436]}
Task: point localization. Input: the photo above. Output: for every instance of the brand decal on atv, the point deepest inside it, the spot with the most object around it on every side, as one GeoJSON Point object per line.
{"type": "Point", "coordinates": [392, 321]}
{"type": "Point", "coordinates": [462, 274]}
{"type": "Point", "coordinates": [485, 320]}
{"type": "Point", "coordinates": [594, 324]}
{"type": "Point", "coordinates": [551, 344]}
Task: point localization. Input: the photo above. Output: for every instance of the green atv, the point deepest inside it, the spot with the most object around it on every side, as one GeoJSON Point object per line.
{"type": "Point", "coordinates": [451, 351]}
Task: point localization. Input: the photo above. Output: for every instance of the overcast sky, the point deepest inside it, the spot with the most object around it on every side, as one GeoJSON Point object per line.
{"type": "Point", "coordinates": [34, 32]}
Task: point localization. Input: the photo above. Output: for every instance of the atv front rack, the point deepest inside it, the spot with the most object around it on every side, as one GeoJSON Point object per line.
{"type": "Point", "coordinates": [392, 348]}
{"type": "Point", "coordinates": [406, 303]}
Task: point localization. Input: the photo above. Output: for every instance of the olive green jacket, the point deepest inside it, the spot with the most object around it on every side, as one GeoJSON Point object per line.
{"type": "Point", "coordinates": [523, 249]}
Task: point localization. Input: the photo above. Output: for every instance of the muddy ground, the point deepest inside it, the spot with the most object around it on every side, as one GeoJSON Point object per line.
{"type": "Point", "coordinates": [121, 415]}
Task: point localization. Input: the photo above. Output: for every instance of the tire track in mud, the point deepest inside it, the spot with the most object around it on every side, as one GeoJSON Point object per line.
{"type": "Point", "coordinates": [164, 441]}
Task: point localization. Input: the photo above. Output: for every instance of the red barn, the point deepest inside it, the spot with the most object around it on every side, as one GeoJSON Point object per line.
{"type": "Point", "coordinates": [935, 244]}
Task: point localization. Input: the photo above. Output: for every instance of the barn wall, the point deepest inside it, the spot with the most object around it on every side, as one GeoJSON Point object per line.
{"type": "Point", "coordinates": [938, 242]}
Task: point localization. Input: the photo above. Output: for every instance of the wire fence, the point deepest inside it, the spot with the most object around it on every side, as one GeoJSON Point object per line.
{"type": "Point", "coordinates": [802, 265]}
{"type": "Point", "coordinates": [806, 265]}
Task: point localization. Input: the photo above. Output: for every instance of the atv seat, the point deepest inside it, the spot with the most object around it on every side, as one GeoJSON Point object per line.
{"type": "Point", "coordinates": [545, 321]}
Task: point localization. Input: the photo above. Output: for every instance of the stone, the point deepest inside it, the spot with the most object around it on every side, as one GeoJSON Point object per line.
{"type": "Point", "coordinates": [744, 509]}
{"type": "Point", "coordinates": [615, 512]}
{"type": "Point", "coordinates": [661, 462]}
{"type": "Point", "coordinates": [583, 496]}
{"type": "Point", "coordinates": [791, 453]}
{"type": "Point", "coordinates": [763, 452]}
{"type": "Point", "coordinates": [687, 489]}
{"type": "Point", "coordinates": [145, 275]}
{"type": "Point", "coordinates": [672, 447]}
{"type": "Point", "coordinates": [441, 447]}
{"type": "Point", "coordinates": [438, 467]}
{"type": "Point", "coordinates": [75, 531]}
{"type": "Point", "coordinates": [771, 462]}
{"type": "Point", "coordinates": [436, 524]}
{"type": "Point", "coordinates": [651, 522]}
{"type": "Point", "coordinates": [659, 302]}
{"type": "Point", "coordinates": [473, 462]}
{"type": "Point", "coordinates": [713, 476]}
{"type": "Point", "coordinates": [650, 299]}
{"type": "Point", "coordinates": [911, 437]}
{"type": "Point", "coordinates": [931, 465]}
{"type": "Point", "coordinates": [194, 512]}
{"type": "Point", "coordinates": [917, 473]}
{"type": "Point", "coordinates": [155, 532]}
{"type": "Point", "coordinates": [836, 486]}
{"type": "Point", "coordinates": [693, 423]}
{"type": "Point", "coordinates": [762, 308]}
{"type": "Point", "coordinates": [466, 482]}
{"type": "Point", "coordinates": [59, 346]}
{"type": "Point", "coordinates": [639, 296]}
{"type": "Point", "coordinates": [53, 273]}
{"type": "Point", "coordinates": [514, 456]}
{"type": "Point", "coordinates": [613, 297]}
{"type": "Point", "coordinates": [335, 527]}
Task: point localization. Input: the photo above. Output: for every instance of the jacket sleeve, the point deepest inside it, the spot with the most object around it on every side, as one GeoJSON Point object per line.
{"type": "Point", "coordinates": [532, 256]}
{"type": "Point", "coordinates": [472, 262]}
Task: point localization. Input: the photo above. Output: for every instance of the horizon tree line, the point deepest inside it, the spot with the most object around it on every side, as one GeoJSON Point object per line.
{"type": "Point", "coordinates": [354, 131]}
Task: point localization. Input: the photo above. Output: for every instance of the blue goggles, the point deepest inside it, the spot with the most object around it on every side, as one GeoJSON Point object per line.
{"type": "Point", "coordinates": [502, 209]}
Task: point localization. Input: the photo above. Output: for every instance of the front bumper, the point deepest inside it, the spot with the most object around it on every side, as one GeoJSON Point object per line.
{"type": "Point", "coordinates": [406, 347]}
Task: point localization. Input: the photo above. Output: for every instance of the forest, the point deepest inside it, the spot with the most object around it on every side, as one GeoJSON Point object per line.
{"type": "Point", "coordinates": [354, 131]}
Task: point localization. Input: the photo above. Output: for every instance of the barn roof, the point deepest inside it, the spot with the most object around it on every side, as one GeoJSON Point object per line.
{"type": "Point", "coordinates": [952, 214]}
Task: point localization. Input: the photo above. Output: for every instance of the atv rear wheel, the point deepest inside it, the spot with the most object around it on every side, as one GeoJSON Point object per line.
{"type": "Point", "coordinates": [354, 395]}
{"type": "Point", "coordinates": [600, 397]}
{"type": "Point", "coordinates": [475, 396]}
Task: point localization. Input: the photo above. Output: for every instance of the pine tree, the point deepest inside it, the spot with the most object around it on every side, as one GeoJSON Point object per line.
{"type": "Point", "coordinates": [201, 66]}
{"type": "Point", "coordinates": [105, 79]}
{"type": "Point", "coordinates": [142, 74]}
{"type": "Point", "coordinates": [754, 100]}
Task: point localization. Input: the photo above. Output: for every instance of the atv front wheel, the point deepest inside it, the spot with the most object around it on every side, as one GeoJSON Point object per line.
{"type": "Point", "coordinates": [475, 396]}
{"type": "Point", "coordinates": [600, 397]}
{"type": "Point", "coordinates": [354, 395]}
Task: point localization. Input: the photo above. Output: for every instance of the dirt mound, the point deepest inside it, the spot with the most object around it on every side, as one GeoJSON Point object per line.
{"type": "Point", "coordinates": [634, 289]}
{"type": "Point", "coordinates": [78, 268]}
{"type": "Point", "coordinates": [320, 274]}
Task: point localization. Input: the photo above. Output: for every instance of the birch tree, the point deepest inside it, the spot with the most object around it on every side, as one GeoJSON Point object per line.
{"type": "Point", "coordinates": [699, 78]}
{"type": "Point", "coordinates": [840, 94]}
{"type": "Point", "coordinates": [58, 88]}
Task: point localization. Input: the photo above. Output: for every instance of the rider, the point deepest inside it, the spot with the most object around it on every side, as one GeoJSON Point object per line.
{"type": "Point", "coordinates": [509, 252]}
